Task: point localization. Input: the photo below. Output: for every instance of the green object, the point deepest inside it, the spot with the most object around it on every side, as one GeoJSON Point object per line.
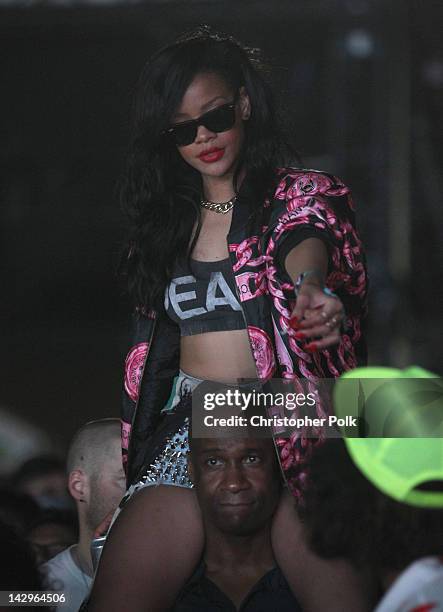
{"type": "Point", "coordinates": [398, 444]}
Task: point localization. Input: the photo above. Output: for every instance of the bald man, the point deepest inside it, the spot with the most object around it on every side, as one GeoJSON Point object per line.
{"type": "Point", "coordinates": [96, 481]}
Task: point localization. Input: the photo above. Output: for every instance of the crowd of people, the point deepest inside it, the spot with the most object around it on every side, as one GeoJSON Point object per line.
{"type": "Point", "coordinates": [52, 507]}
{"type": "Point", "coordinates": [243, 268]}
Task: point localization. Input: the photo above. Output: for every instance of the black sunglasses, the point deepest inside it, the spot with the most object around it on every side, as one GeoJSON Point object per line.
{"type": "Point", "coordinates": [219, 119]}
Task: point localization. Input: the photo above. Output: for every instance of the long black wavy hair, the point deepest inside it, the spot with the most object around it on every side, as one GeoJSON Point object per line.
{"type": "Point", "coordinates": [345, 516]}
{"type": "Point", "coordinates": [160, 192]}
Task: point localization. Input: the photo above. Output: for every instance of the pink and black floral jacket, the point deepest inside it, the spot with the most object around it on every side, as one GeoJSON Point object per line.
{"type": "Point", "coordinates": [303, 203]}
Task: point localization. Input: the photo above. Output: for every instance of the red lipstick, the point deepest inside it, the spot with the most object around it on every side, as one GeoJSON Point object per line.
{"type": "Point", "coordinates": [211, 155]}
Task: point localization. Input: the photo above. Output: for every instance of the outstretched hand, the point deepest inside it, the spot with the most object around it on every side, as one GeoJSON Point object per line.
{"type": "Point", "coordinates": [317, 317]}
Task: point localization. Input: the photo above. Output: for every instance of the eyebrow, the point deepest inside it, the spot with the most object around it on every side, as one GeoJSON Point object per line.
{"type": "Point", "coordinates": [211, 450]}
{"type": "Point", "coordinates": [222, 450]}
{"type": "Point", "coordinates": [202, 108]}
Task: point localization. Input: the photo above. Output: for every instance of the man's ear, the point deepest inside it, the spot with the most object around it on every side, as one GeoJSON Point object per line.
{"type": "Point", "coordinates": [244, 103]}
{"type": "Point", "coordinates": [78, 485]}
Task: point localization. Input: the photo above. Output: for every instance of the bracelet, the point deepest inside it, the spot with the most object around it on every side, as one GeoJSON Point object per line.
{"type": "Point", "coordinates": [329, 293]}
{"type": "Point", "coordinates": [301, 277]}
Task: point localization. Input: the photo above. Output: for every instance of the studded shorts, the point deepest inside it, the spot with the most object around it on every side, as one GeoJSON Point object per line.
{"type": "Point", "coordinates": [170, 466]}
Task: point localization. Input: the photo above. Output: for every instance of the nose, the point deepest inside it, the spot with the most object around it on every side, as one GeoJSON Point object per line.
{"type": "Point", "coordinates": [203, 134]}
{"type": "Point", "coordinates": [235, 479]}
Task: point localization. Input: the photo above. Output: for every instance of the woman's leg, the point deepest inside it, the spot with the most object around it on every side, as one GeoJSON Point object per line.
{"type": "Point", "coordinates": [318, 584]}
{"type": "Point", "coordinates": [151, 551]}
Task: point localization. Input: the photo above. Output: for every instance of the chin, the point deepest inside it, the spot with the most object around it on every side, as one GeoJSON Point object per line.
{"type": "Point", "coordinates": [240, 521]}
{"type": "Point", "coordinates": [217, 170]}
{"type": "Point", "coordinates": [238, 528]}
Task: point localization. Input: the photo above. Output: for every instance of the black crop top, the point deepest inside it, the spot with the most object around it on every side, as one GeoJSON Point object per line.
{"type": "Point", "coordinates": [203, 298]}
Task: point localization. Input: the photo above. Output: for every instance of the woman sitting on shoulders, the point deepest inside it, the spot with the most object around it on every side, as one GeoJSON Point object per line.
{"type": "Point", "coordinates": [241, 268]}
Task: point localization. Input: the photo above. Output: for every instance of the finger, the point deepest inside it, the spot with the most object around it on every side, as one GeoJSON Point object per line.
{"type": "Point", "coordinates": [315, 320]}
{"type": "Point", "coordinates": [313, 312]}
{"type": "Point", "coordinates": [318, 320]}
{"type": "Point", "coordinates": [104, 525]}
{"type": "Point", "coordinates": [323, 343]}
{"type": "Point", "coordinates": [335, 321]}
{"type": "Point", "coordinates": [332, 307]}
{"type": "Point", "coordinates": [318, 331]}
{"type": "Point", "coordinates": [298, 313]}
{"type": "Point", "coordinates": [331, 317]}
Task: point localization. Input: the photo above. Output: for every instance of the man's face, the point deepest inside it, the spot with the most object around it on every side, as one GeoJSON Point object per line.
{"type": "Point", "coordinates": [49, 539]}
{"type": "Point", "coordinates": [107, 487]}
{"type": "Point", "coordinates": [237, 482]}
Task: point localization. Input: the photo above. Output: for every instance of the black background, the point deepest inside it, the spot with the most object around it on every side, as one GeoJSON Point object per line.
{"type": "Point", "coordinates": [363, 82]}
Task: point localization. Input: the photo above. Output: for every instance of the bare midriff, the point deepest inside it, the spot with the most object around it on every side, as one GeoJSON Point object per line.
{"type": "Point", "coordinates": [223, 356]}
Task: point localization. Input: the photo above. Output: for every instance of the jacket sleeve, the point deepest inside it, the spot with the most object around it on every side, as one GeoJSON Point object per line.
{"type": "Point", "coordinates": [304, 202]}
{"type": "Point", "coordinates": [142, 329]}
{"type": "Point", "coordinates": [150, 368]}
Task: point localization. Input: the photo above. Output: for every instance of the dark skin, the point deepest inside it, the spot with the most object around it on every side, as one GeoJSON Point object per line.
{"type": "Point", "coordinates": [238, 489]}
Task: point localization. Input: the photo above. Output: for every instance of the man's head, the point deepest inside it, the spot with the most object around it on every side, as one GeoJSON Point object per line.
{"type": "Point", "coordinates": [95, 471]}
{"type": "Point", "coordinates": [237, 481]}
{"type": "Point", "coordinates": [51, 532]}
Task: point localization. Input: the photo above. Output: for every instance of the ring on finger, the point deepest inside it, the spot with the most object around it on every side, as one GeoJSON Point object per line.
{"type": "Point", "coordinates": [332, 322]}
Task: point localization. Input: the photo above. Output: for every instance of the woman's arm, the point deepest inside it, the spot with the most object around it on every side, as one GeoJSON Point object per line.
{"type": "Point", "coordinates": [317, 313]}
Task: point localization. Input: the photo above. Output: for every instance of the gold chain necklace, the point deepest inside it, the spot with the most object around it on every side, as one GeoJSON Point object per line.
{"type": "Point", "coordinates": [219, 207]}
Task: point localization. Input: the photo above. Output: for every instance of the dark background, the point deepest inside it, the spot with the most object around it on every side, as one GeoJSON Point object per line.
{"type": "Point", "coordinates": [363, 80]}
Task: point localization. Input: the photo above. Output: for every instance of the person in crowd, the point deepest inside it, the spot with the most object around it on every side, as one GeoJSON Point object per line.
{"type": "Point", "coordinates": [238, 487]}
{"type": "Point", "coordinates": [17, 509]}
{"type": "Point", "coordinates": [44, 479]}
{"type": "Point", "coordinates": [382, 498]}
{"type": "Point", "coordinates": [241, 267]}
{"type": "Point", "coordinates": [96, 482]}
{"type": "Point", "coordinates": [51, 532]}
{"type": "Point", "coordinates": [19, 568]}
